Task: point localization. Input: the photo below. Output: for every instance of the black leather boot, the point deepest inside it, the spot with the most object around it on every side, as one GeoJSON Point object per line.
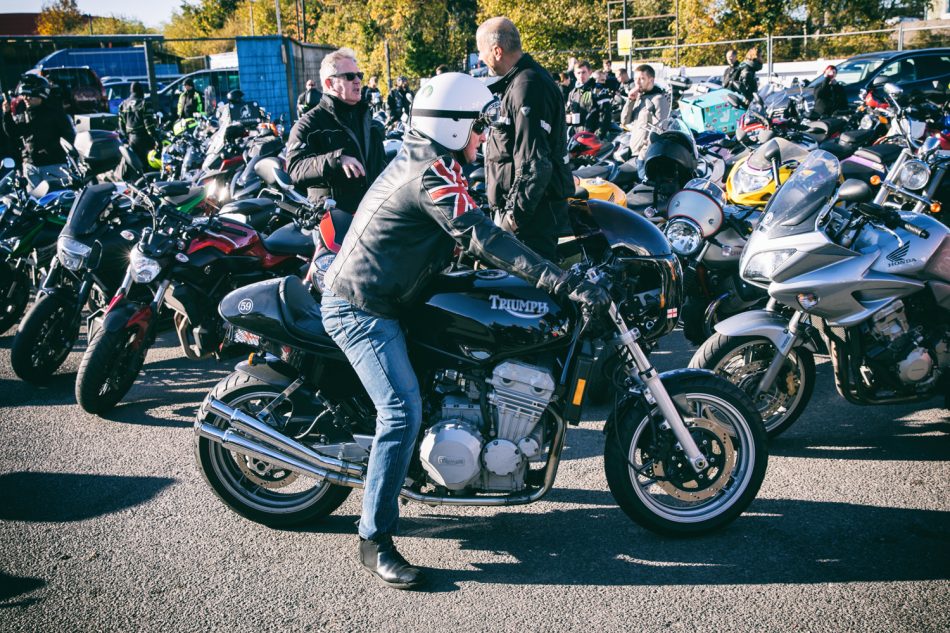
{"type": "Point", "coordinates": [380, 558]}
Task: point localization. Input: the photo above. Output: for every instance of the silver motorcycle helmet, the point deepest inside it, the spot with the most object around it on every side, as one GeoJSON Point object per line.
{"type": "Point", "coordinates": [695, 213]}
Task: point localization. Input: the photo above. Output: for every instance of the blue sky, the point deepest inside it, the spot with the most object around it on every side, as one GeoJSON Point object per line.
{"type": "Point", "coordinates": [151, 12]}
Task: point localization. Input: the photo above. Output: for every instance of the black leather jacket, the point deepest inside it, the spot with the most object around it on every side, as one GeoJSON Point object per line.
{"type": "Point", "coordinates": [321, 137]}
{"type": "Point", "coordinates": [525, 155]}
{"type": "Point", "coordinates": [38, 130]}
{"type": "Point", "coordinates": [407, 227]}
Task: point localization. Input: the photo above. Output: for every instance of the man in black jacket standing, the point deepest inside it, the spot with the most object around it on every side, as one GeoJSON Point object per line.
{"type": "Point", "coordinates": [527, 175]}
{"type": "Point", "coordinates": [37, 126]}
{"type": "Point", "coordinates": [334, 150]}
{"type": "Point", "coordinates": [399, 100]}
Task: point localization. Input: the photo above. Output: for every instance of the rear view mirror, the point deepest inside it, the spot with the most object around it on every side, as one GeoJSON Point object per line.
{"type": "Point", "coordinates": [854, 190]}
{"type": "Point", "coordinates": [893, 90]}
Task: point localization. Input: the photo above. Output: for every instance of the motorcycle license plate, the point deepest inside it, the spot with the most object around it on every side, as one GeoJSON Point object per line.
{"type": "Point", "coordinates": [243, 337]}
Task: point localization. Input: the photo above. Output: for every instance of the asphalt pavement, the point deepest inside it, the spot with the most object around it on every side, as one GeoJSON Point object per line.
{"type": "Point", "coordinates": [107, 525]}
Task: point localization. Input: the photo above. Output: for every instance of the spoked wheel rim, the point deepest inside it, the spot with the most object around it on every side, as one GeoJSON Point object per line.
{"type": "Point", "coordinates": [52, 343]}
{"type": "Point", "coordinates": [258, 484]}
{"type": "Point", "coordinates": [664, 482]}
{"type": "Point", "coordinates": [744, 367]}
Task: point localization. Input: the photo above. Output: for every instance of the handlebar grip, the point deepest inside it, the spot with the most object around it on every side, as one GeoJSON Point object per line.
{"type": "Point", "coordinates": [919, 232]}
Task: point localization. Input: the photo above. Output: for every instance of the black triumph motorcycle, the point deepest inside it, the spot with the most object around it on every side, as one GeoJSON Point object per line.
{"type": "Point", "coordinates": [503, 368]}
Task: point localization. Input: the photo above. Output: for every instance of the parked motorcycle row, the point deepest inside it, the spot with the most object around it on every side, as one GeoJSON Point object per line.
{"type": "Point", "coordinates": [768, 247]}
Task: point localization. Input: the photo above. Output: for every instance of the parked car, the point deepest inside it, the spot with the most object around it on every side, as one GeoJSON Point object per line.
{"type": "Point", "coordinates": [911, 70]}
{"type": "Point", "coordinates": [116, 93]}
{"type": "Point", "coordinates": [78, 87]}
{"type": "Point", "coordinates": [212, 84]}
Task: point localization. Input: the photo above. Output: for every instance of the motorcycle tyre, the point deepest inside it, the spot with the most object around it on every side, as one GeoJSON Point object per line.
{"type": "Point", "coordinates": [102, 354]}
{"type": "Point", "coordinates": [12, 307]}
{"type": "Point", "coordinates": [229, 390]}
{"type": "Point", "coordinates": [616, 466]}
{"type": "Point", "coordinates": [48, 313]}
{"type": "Point", "coordinates": [719, 346]}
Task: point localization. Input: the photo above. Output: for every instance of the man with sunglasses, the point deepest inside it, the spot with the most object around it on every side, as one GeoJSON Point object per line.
{"type": "Point", "coordinates": [404, 233]}
{"type": "Point", "coordinates": [334, 150]}
{"type": "Point", "coordinates": [527, 176]}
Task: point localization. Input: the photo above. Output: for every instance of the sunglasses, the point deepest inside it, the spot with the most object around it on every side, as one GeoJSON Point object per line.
{"type": "Point", "coordinates": [480, 125]}
{"type": "Point", "coordinates": [350, 76]}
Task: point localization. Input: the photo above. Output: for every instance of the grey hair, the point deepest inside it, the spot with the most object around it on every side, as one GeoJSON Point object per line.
{"type": "Point", "coordinates": [330, 64]}
{"type": "Point", "coordinates": [500, 32]}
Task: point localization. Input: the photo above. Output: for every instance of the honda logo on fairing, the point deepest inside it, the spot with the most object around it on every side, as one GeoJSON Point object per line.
{"type": "Point", "coordinates": [521, 308]}
{"type": "Point", "coordinates": [896, 258]}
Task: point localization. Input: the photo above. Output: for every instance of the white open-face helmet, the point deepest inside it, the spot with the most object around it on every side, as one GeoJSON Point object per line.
{"type": "Point", "coordinates": [448, 105]}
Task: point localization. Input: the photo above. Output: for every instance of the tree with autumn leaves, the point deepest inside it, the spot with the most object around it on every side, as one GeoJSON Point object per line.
{"type": "Point", "coordinates": [421, 35]}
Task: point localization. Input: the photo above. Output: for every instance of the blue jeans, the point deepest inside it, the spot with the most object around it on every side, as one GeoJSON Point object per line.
{"type": "Point", "coordinates": [376, 348]}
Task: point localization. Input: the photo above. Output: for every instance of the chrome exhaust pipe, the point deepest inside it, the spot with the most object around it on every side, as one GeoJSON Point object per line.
{"type": "Point", "coordinates": [240, 444]}
{"type": "Point", "coordinates": [264, 433]}
{"type": "Point", "coordinates": [268, 445]}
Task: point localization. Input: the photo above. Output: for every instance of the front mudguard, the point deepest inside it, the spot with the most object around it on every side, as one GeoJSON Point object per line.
{"type": "Point", "coordinates": [765, 324]}
{"type": "Point", "coordinates": [633, 399]}
{"type": "Point", "coordinates": [128, 315]}
{"type": "Point", "coordinates": [67, 296]}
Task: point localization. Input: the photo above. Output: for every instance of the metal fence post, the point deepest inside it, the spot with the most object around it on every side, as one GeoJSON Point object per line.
{"type": "Point", "coordinates": [900, 36]}
{"type": "Point", "coordinates": [768, 48]}
{"type": "Point", "coordinates": [150, 70]}
{"type": "Point", "coordinates": [277, 8]}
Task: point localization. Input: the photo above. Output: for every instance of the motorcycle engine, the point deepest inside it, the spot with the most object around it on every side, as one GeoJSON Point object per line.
{"type": "Point", "coordinates": [902, 350]}
{"type": "Point", "coordinates": [462, 450]}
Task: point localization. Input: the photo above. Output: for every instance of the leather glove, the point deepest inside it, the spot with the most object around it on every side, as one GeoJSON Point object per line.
{"type": "Point", "coordinates": [591, 295]}
{"type": "Point", "coordinates": [578, 288]}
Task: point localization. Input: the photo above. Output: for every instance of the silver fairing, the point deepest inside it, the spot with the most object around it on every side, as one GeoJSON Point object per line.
{"type": "Point", "coordinates": [851, 284]}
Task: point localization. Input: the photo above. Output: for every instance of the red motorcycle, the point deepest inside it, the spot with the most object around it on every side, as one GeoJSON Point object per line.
{"type": "Point", "coordinates": [184, 265]}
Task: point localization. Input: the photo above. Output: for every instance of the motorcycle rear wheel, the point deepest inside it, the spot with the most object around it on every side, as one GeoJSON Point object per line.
{"type": "Point", "coordinates": [655, 485]}
{"type": "Point", "coordinates": [743, 360]}
{"type": "Point", "coordinates": [44, 339]}
{"type": "Point", "coordinates": [254, 489]}
{"type": "Point", "coordinates": [14, 295]}
{"type": "Point", "coordinates": [109, 369]}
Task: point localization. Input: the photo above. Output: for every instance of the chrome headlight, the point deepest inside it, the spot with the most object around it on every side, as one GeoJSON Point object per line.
{"type": "Point", "coordinates": [747, 180]}
{"type": "Point", "coordinates": [71, 253]}
{"type": "Point", "coordinates": [318, 270]}
{"type": "Point", "coordinates": [761, 266]}
{"type": "Point", "coordinates": [144, 269]}
{"type": "Point", "coordinates": [684, 235]}
{"type": "Point", "coordinates": [867, 122]}
{"type": "Point", "coordinates": [913, 175]}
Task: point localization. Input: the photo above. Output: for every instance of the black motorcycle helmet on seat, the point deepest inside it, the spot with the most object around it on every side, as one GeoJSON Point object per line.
{"type": "Point", "coordinates": [33, 86]}
{"type": "Point", "coordinates": [235, 96]}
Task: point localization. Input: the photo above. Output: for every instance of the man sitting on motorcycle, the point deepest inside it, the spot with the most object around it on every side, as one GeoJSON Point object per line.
{"type": "Point", "coordinates": [403, 234]}
{"type": "Point", "coordinates": [646, 106]}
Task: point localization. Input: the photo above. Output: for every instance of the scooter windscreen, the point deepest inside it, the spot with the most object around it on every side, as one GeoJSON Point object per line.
{"type": "Point", "coordinates": [793, 208]}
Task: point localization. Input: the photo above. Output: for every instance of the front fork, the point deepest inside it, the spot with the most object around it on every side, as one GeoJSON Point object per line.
{"type": "Point", "coordinates": [654, 385]}
{"type": "Point", "coordinates": [790, 338]}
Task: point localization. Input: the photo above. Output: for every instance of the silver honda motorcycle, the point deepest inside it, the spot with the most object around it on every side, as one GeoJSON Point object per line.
{"type": "Point", "coordinates": [869, 284]}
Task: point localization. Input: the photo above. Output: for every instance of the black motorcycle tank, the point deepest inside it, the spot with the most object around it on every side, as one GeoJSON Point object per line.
{"type": "Point", "coordinates": [482, 316]}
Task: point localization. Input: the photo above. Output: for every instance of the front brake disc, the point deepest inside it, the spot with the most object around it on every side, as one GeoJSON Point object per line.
{"type": "Point", "coordinates": [679, 480]}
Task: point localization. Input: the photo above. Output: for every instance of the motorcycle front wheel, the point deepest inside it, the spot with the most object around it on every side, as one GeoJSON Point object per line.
{"type": "Point", "coordinates": [109, 368]}
{"type": "Point", "coordinates": [14, 295]}
{"type": "Point", "coordinates": [743, 360]}
{"type": "Point", "coordinates": [256, 490]}
{"type": "Point", "coordinates": [44, 339]}
{"type": "Point", "coordinates": [651, 478]}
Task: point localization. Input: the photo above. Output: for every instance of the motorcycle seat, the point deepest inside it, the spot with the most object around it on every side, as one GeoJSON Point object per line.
{"type": "Point", "coordinates": [839, 150]}
{"type": "Point", "coordinates": [289, 240]}
{"type": "Point", "coordinates": [884, 154]}
{"type": "Point", "coordinates": [172, 188]}
{"type": "Point", "coordinates": [301, 314]}
{"type": "Point", "coordinates": [856, 137]}
{"type": "Point", "coordinates": [255, 212]}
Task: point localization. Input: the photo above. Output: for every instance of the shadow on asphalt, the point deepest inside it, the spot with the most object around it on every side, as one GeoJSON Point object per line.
{"type": "Point", "coordinates": [65, 497]}
{"type": "Point", "coordinates": [777, 541]}
{"type": "Point", "coordinates": [12, 587]}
